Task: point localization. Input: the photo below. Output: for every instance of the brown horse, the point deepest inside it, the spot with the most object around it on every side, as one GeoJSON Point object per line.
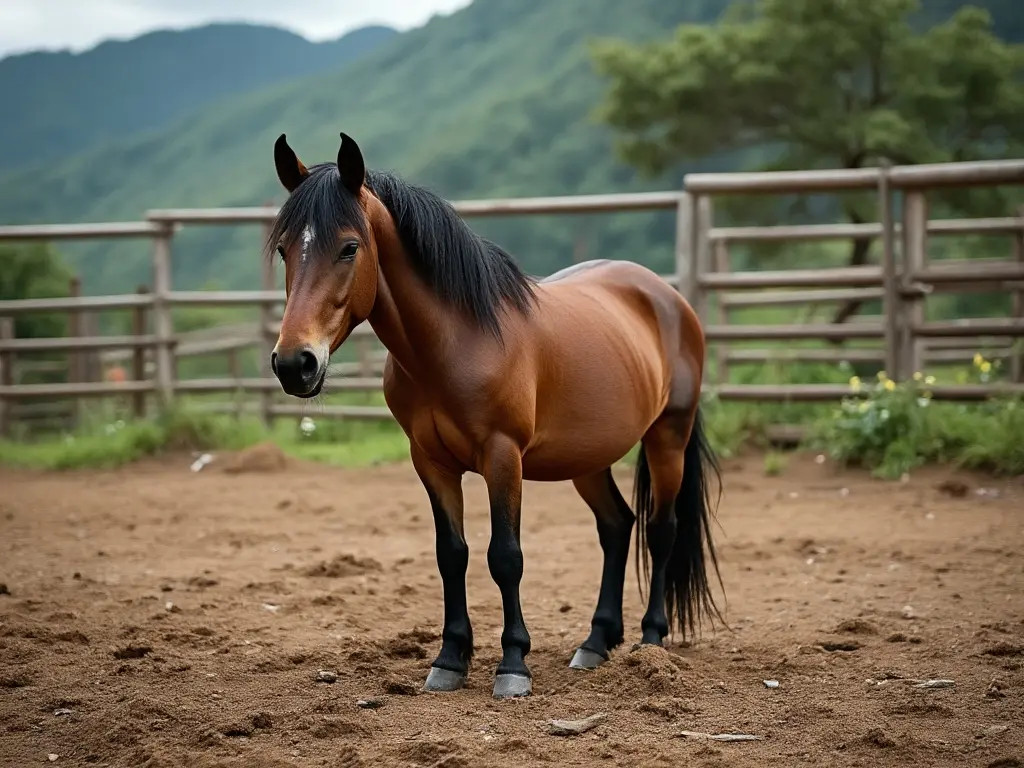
{"type": "Point", "coordinates": [494, 372]}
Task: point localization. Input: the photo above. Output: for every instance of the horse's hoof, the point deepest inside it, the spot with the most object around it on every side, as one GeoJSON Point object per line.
{"type": "Point", "coordinates": [444, 680]}
{"type": "Point", "coordinates": [510, 686]}
{"type": "Point", "coordinates": [586, 659]}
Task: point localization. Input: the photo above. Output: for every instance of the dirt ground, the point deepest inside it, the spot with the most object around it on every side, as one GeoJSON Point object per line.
{"type": "Point", "coordinates": [159, 617]}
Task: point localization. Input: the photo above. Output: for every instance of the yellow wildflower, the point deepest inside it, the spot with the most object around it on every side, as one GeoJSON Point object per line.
{"type": "Point", "coordinates": [890, 385]}
{"type": "Point", "coordinates": [978, 359]}
{"type": "Point", "coordinates": [863, 406]}
{"type": "Point", "coordinates": [985, 367]}
{"type": "Point", "coordinates": [918, 376]}
{"type": "Point", "coordinates": [929, 380]}
{"type": "Point", "coordinates": [855, 383]}
{"type": "Point", "coordinates": [881, 376]}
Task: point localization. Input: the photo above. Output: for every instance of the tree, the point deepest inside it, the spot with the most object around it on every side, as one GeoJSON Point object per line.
{"type": "Point", "coordinates": [34, 271]}
{"type": "Point", "coordinates": [820, 83]}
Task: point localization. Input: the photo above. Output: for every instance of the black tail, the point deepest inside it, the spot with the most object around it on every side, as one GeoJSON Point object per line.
{"type": "Point", "coordinates": [687, 591]}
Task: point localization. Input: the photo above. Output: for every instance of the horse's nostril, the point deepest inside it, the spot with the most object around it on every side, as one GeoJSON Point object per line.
{"type": "Point", "coordinates": [273, 362]}
{"type": "Point", "coordinates": [308, 365]}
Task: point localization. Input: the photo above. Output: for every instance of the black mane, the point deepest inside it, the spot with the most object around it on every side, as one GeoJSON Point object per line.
{"type": "Point", "coordinates": [460, 267]}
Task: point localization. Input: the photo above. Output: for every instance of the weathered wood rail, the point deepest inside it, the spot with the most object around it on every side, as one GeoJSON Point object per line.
{"type": "Point", "coordinates": [903, 339]}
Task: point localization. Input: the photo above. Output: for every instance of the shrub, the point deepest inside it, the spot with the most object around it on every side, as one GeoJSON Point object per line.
{"type": "Point", "coordinates": [891, 428]}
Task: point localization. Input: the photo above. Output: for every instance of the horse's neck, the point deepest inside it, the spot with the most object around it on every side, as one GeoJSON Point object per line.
{"type": "Point", "coordinates": [407, 318]}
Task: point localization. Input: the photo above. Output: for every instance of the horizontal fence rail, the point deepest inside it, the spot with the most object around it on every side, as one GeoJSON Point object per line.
{"type": "Point", "coordinates": [901, 338]}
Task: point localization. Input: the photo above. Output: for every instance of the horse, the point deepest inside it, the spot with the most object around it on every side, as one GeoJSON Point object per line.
{"type": "Point", "coordinates": [511, 377]}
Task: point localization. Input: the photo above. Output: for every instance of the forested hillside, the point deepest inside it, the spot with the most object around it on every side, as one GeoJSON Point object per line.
{"type": "Point", "coordinates": [60, 103]}
{"type": "Point", "coordinates": [495, 100]}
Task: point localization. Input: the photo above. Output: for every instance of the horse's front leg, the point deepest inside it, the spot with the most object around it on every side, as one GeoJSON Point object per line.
{"type": "Point", "coordinates": [449, 670]}
{"type": "Point", "coordinates": [503, 473]}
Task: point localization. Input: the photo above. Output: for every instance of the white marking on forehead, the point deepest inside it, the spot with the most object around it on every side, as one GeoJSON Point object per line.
{"type": "Point", "coordinates": [308, 236]}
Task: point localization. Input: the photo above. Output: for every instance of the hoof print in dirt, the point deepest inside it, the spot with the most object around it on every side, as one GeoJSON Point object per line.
{"type": "Point", "coordinates": [398, 686]}
{"type": "Point", "coordinates": [132, 652]}
{"type": "Point", "coordinates": [844, 645]}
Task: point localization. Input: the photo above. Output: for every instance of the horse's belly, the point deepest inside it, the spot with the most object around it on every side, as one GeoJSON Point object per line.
{"type": "Point", "coordinates": [582, 432]}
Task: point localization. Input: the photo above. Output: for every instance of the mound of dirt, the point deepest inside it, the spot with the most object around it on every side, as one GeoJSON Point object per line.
{"type": "Point", "coordinates": [260, 458]}
{"type": "Point", "coordinates": [341, 566]}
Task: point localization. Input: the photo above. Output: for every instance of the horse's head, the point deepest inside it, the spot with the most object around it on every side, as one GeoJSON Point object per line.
{"type": "Point", "coordinates": [323, 236]}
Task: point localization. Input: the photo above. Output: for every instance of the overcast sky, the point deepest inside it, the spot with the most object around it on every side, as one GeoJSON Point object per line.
{"type": "Point", "coordinates": [27, 25]}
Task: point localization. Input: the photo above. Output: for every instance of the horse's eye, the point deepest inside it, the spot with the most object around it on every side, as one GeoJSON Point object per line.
{"type": "Point", "coordinates": [348, 250]}
{"type": "Point", "coordinates": [280, 252]}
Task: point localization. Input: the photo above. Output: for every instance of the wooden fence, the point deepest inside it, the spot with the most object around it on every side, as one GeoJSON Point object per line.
{"type": "Point", "coordinates": [903, 339]}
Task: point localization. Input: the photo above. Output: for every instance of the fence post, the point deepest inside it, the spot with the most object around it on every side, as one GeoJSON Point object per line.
{"type": "Point", "coordinates": [700, 256]}
{"type": "Point", "coordinates": [76, 359]}
{"type": "Point", "coordinates": [139, 356]}
{"type": "Point", "coordinates": [684, 226]}
{"type": "Point", "coordinates": [720, 253]}
{"type": "Point", "coordinates": [163, 323]}
{"type": "Point", "coordinates": [890, 277]}
{"type": "Point", "coordinates": [1017, 303]}
{"type": "Point", "coordinates": [267, 340]}
{"type": "Point", "coordinates": [6, 378]}
{"type": "Point", "coordinates": [915, 258]}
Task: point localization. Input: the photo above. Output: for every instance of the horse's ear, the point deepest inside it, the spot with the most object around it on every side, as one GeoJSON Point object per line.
{"type": "Point", "coordinates": [350, 165]}
{"type": "Point", "coordinates": [290, 169]}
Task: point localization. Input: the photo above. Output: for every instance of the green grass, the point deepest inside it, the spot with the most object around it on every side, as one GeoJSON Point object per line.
{"type": "Point", "coordinates": [106, 443]}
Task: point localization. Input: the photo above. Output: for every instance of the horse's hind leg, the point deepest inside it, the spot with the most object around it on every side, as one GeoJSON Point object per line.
{"type": "Point", "coordinates": [662, 458]}
{"type": "Point", "coordinates": [614, 529]}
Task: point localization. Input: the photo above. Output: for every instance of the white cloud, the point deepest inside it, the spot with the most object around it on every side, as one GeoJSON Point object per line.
{"type": "Point", "coordinates": [79, 24]}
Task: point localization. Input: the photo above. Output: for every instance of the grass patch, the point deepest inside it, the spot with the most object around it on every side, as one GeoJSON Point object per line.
{"type": "Point", "coordinates": [891, 428]}
{"type": "Point", "coordinates": [774, 463]}
{"type": "Point", "coordinates": [108, 444]}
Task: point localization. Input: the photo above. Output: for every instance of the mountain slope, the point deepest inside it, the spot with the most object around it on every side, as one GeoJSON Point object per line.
{"type": "Point", "coordinates": [66, 103]}
{"type": "Point", "coordinates": [493, 99]}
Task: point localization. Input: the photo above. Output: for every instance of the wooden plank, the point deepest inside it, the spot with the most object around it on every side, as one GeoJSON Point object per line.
{"type": "Point", "coordinates": [93, 231]}
{"type": "Point", "coordinates": [139, 356]}
{"type": "Point", "coordinates": [990, 326]}
{"type": "Point", "coordinates": [837, 277]}
{"type": "Point", "coordinates": [67, 304]}
{"type": "Point", "coordinates": [1017, 301]}
{"type": "Point", "coordinates": [343, 384]}
{"type": "Point", "coordinates": [968, 271]}
{"type": "Point", "coordinates": [824, 232]}
{"type": "Point", "coordinates": [778, 182]}
{"type": "Point", "coordinates": [786, 298]}
{"type": "Point", "coordinates": [88, 389]}
{"type": "Point", "coordinates": [224, 298]}
{"type": "Point", "coordinates": [791, 332]}
{"type": "Point", "coordinates": [891, 304]}
{"type": "Point", "coordinates": [806, 393]}
{"type": "Point", "coordinates": [798, 355]}
{"type": "Point", "coordinates": [915, 261]}
{"type": "Point", "coordinates": [69, 343]}
{"type": "Point", "coordinates": [794, 233]}
{"type": "Point", "coordinates": [684, 245]}
{"type": "Point", "coordinates": [6, 378]}
{"type": "Point", "coordinates": [962, 174]}
{"type": "Point", "coordinates": [163, 324]}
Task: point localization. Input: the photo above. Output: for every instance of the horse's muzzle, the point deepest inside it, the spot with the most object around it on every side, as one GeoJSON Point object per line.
{"type": "Point", "coordinates": [300, 371]}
